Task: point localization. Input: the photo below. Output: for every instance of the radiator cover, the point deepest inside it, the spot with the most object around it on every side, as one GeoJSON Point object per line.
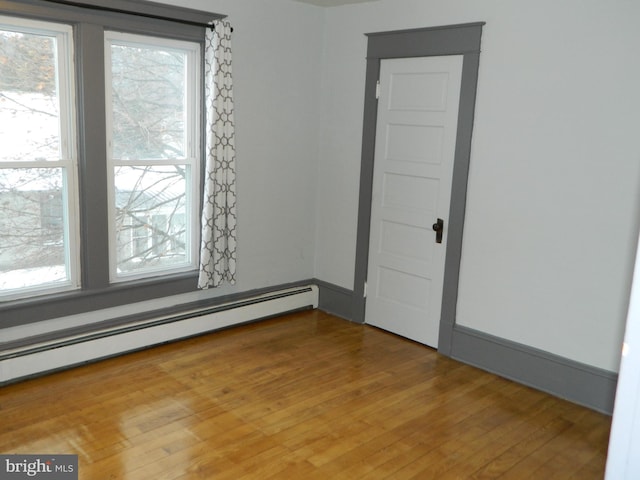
{"type": "Point", "coordinates": [39, 358]}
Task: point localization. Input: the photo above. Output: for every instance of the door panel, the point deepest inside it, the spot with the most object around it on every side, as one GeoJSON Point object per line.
{"type": "Point", "coordinates": [415, 143]}
{"type": "Point", "coordinates": [415, 147]}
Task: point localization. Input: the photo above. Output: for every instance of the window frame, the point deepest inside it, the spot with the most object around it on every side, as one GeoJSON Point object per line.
{"type": "Point", "coordinates": [97, 291]}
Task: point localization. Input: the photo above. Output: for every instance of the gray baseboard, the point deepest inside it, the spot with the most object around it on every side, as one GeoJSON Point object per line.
{"type": "Point", "coordinates": [589, 386]}
{"type": "Point", "coordinates": [335, 300]}
{"type": "Point", "coordinates": [579, 383]}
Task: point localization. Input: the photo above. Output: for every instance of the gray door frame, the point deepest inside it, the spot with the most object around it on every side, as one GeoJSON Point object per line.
{"type": "Point", "coordinates": [463, 40]}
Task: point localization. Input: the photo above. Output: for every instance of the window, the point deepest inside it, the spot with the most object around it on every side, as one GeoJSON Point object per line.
{"type": "Point", "coordinates": [101, 140]}
{"type": "Point", "coordinates": [152, 150]}
{"type": "Point", "coordinates": [38, 201]}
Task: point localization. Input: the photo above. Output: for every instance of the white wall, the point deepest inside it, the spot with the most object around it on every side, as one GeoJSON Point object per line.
{"type": "Point", "coordinates": [553, 197]}
{"type": "Point", "coordinates": [277, 48]}
{"type": "Point", "coordinates": [553, 190]}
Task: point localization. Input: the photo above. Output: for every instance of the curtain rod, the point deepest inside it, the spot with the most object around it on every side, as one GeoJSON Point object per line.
{"type": "Point", "coordinates": [129, 12]}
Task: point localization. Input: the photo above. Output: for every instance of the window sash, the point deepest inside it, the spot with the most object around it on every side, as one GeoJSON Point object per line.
{"type": "Point", "coordinates": [188, 162]}
{"type": "Point", "coordinates": [67, 161]}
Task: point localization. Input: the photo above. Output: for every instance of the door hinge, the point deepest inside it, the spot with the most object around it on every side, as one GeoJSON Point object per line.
{"type": "Point", "coordinates": [377, 89]}
{"type": "Point", "coordinates": [364, 294]}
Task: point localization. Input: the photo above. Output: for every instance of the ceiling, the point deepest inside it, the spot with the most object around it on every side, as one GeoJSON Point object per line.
{"type": "Point", "coordinates": [332, 3]}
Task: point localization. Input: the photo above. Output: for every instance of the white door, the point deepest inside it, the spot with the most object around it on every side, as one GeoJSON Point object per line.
{"type": "Point", "coordinates": [413, 166]}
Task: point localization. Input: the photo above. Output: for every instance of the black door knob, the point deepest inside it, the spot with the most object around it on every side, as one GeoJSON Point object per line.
{"type": "Point", "coordinates": [438, 227]}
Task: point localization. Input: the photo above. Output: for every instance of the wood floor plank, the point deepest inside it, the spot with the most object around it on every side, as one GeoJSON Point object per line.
{"type": "Point", "coordinates": [306, 395]}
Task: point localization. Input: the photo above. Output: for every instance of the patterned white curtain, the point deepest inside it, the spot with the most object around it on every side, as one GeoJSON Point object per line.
{"type": "Point", "coordinates": [218, 246]}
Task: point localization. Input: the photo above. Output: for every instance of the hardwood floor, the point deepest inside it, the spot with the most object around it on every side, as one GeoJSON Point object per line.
{"type": "Point", "coordinates": [305, 396]}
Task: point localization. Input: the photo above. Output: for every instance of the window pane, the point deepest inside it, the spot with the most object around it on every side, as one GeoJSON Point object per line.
{"type": "Point", "coordinates": [152, 97]}
{"type": "Point", "coordinates": [32, 226]}
{"type": "Point", "coordinates": [151, 216]}
{"type": "Point", "coordinates": [29, 106]}
{"type": "Point", "coordinates": [148, 102]}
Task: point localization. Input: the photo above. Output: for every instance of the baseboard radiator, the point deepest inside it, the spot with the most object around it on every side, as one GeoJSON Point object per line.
{"type": "Point", "coordinates": [67, 352]}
